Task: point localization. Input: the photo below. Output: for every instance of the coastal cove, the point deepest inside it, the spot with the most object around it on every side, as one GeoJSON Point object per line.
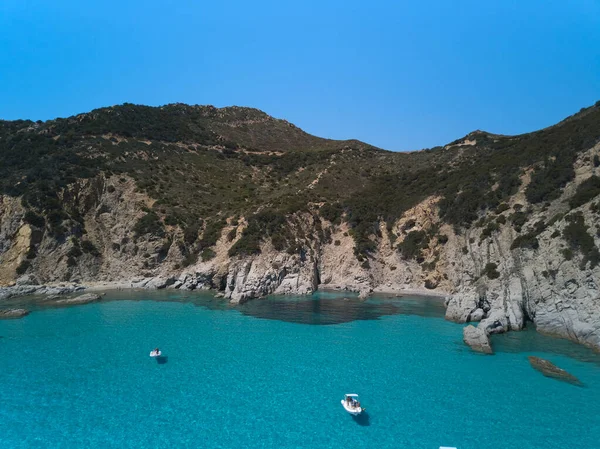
{"type": "Point", "coordinates": [271, 372]}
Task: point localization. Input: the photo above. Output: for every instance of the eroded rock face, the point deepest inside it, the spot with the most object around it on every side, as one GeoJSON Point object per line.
{"type": "Point", "coordinates": [477, 339]}
{"type": "Point", "coordinates": [476, 316]}
{"type": "Point", "coordinates": [549, 369]}
{"type": "Point", "coordinates": [12, 313]}
{"type": "Point", "coordinates": [264, 275]}
{"type": "Point", "coordinates": [27, 279]}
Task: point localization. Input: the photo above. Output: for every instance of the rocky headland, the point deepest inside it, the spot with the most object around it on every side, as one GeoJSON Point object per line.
{"type": "Point", "coordinates": [504, 228]}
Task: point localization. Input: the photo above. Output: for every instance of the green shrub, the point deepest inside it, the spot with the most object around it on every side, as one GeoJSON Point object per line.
{"type": "Point", "coordinates": [279, 242]}
{"type": "Point", "coordinates": [74, 252]}
{"type": "Point", "coordinates": [548, 180]}
{"type": "Point", "coordinates": [576, 235]}
{"type": "Point", "coordinates": [23, 267]}
{"type": "Point", "coordinates": [207, 254]}
{"type": "Point", "coordinates": [518, 219]}
{"type": "Point", "coordinates": [189, 259]}
{"type": "Point", "coordinates": [539, 227]}
{"type": "Point", "coordinates": [31, 253]}
{"type": "Point", "coordinates": [34, 219]}
{"type": "Point", "coordinates": [89, 248]}
{"type": "Point", "coordinates": [212, 232]}
{"type": "Point", "coordinates": [408, 225]}
{"type": "Point", "coordinates": [268, 222]}
{"type": "Point", "coordinates": [587, 190]}
{"type": "Point", "coordinates": [231, 235]}
{"type": "Point", "coordinates": [555, 219]}
{"type": "Point", "coordinates": [413, 244]}
{"type": "Point", "coordinates": [149, 224]}
{"type": "Point", "coordinates": [489, 229]}
{"type": "Point", "coordinates": [491, 271]}
{"type": "Point", "coordinates": [528, 241]}
{"type": "Point", "coordinates": [190, 234]}
{"type": "Point", "coordinates": [332, 212]}
{"type": "Point", "coordinates": [567, 253]}
{"type": "Point", "coordinates": [171, 220]}
{"type": "Point", "coordinates": [501, 208]}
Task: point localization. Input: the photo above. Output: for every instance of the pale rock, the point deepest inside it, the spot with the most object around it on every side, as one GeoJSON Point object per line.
{"type": "Point", "coordinates": [476, 316]}
{"type": "Point", "coordinates": [12, 313]}
{"type": "Point", "coordinates": [495, 323]}
{"type": "Point", "coordinates": [477, 339]}
{"type": "Point", "coordinates": [81, 299]}
{"type": "Point", "coordinates": [459, 307]}
{"type": "Point", "coordinates": [27, 279]}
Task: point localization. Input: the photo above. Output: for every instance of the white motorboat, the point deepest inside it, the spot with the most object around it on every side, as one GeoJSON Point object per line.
{"type": "Point", "coordinates": [352, 404]}
{"type": "Point", "coordinates": [155, 353]}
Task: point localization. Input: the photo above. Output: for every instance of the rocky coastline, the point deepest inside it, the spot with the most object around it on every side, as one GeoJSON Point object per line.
{"type": "Point", "coordinates": [485, 278]}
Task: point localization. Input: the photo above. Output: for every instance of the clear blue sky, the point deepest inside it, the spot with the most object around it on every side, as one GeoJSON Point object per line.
{"type": "Point", "coordinates": [401, 75]}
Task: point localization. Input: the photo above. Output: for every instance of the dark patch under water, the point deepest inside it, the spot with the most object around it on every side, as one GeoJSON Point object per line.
{"type": "Point", "coordinates": [337, 310]}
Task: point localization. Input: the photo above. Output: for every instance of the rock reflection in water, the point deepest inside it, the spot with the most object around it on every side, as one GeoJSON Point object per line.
{"type": "Point", "coordinates": [321, 308]}
{"type": "Point", "coordinates": [325, 311]}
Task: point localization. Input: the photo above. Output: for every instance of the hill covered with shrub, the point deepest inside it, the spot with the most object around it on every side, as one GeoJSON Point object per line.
{"type": "Point", "coordinates": [203, 165]}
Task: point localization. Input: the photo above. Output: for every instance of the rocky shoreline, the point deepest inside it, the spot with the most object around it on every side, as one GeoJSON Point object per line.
{"type": "Point", "coordinates": [476, 336]}
{"type": "Point", "coordinates": [21, 288]}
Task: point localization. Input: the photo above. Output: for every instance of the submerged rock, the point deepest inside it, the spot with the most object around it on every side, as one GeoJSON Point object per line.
{"type": "Point", "coordinates": [549, 369]}
{"type": "Point", "coordinates": [364, 293]}
{"type": "Point", "coordinates": [13, 313]}
{"type": "Point", "coordinates": [477, 339]}
{"type": "Point", "coordinates": [81, 299]}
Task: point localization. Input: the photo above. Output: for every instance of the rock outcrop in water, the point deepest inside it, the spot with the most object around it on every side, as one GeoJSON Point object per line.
{"type": "Point", "coordinates": [505, 228]}
{"type": "Point", "coordinates": [86, 298]}
{"type": "Point", "coordinates": [477, 339]}
{"type": "Point", "coordinates": [549, 369]}
{"type": "Point", "coordinates": [12, 313]}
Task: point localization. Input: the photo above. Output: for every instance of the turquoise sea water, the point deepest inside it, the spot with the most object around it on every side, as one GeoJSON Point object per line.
{"type": "Point", "coordinates": [271, 374]}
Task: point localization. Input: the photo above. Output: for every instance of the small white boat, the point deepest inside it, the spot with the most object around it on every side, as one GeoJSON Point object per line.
{"type": "Point", "coordinates": [155, 353]}
{"type": "Point", "coordinates": [352, 405]}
